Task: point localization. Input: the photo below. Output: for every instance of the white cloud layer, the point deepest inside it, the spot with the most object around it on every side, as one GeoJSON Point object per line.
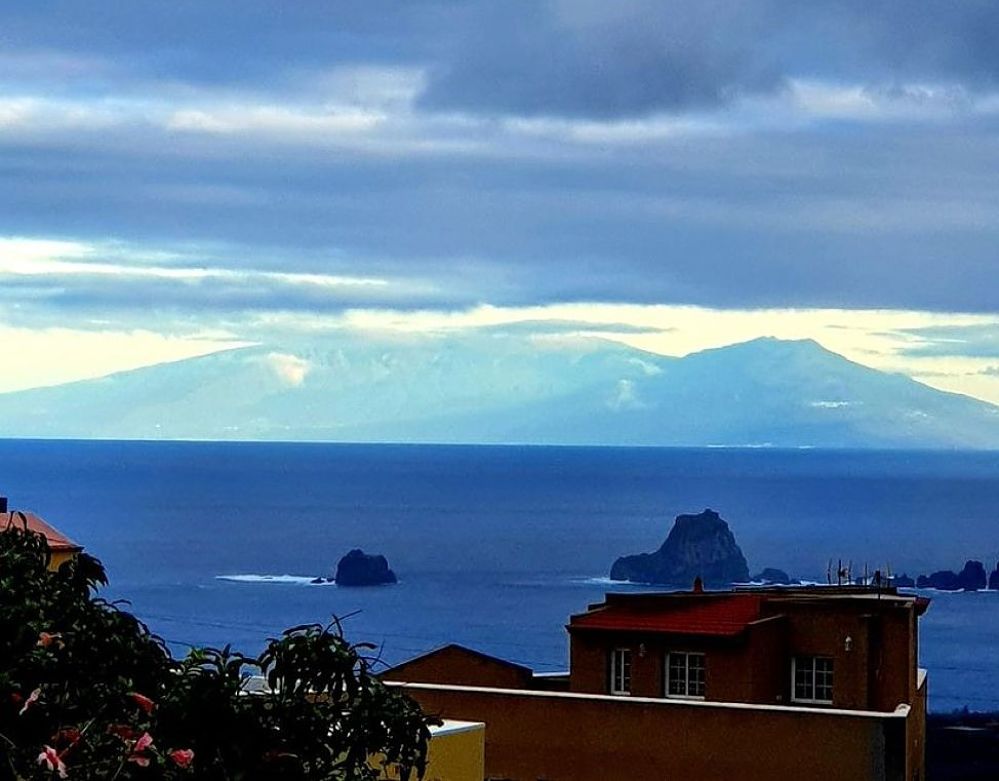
{"type": "Point", "coordinates": [877, 338]}
{"type": "Point", "coordinates": [36, 357]}
{"type": "Point", "coordinates": [290, 369]}
{"type": "Point", "coordinates": [25, 257]}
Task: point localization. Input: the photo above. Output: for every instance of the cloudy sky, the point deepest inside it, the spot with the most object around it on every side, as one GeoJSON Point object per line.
{"type": "Point", "coordinates": [176, 178]}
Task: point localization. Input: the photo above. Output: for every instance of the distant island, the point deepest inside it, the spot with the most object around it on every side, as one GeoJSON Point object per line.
{"type": "Point", "coordinates": [501, 389]}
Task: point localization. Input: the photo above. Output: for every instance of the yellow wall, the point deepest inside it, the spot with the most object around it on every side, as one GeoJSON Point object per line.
{"type": "Point", "coordinates": [58, 558]}
{"type": "Point", "coordinates": [583, 737]}
{"type": "Point", "coordinates": [457, 753]}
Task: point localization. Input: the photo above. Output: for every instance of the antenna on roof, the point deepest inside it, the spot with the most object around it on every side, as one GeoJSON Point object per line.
{"type": "Point", "coordinates": [829, 573]}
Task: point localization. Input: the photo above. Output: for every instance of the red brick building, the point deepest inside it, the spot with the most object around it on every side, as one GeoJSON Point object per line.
{"type": "Point", "coordinates": [767, 683]}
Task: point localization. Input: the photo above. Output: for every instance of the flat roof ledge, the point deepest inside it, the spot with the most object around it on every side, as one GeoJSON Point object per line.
{"type": "Point", "coordinates": [455, 726]}
{"type": "Point", "coordinates": [901, 711]}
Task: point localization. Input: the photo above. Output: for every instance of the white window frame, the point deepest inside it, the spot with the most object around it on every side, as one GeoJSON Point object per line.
{"type": "Point", "coordinates": [686, 674]}
{"type": "Point", "coordinates": [620, 671]}
{"type": "Point", "coordinates": [794, 676]}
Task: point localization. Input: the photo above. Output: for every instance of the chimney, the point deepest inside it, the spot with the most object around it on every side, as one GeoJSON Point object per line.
{"type": "Point", "coordinates": [3, 504]}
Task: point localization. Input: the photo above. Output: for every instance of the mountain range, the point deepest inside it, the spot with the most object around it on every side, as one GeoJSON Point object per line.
{"type": "Point", "coordinates": [510, 388]}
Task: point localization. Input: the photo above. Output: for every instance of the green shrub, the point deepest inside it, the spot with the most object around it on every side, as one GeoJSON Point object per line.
{"type": "Point", "coordinates": [87, 692]}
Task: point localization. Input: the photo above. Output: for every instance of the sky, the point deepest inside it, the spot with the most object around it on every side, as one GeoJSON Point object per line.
{"type": "Point", "coordinates": [179, 178]}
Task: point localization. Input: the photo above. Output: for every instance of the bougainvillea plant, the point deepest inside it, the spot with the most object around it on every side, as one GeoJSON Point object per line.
{"type": "Point", "coordinates": [87, 692]}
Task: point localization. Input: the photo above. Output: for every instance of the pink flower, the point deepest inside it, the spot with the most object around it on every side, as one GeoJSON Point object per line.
{"type": "Point", "coordinates": [32, 699]}
{"type": "Point", "coordinates": [144, 742]}
{"type": "Point", "coordinates": [45, 639]}
{"type": "Point", "coordinates": [143, 701]}
{"type": "Point", "coordinates": [182, 757]}
{"type": "Point", "coordinates": [52, 761]}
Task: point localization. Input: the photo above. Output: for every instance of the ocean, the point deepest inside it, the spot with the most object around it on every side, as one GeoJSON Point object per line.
{"type": "Point", "coordinates": [215, 543]}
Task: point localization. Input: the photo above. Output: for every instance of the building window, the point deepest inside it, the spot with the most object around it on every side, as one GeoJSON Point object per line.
{"type": "Point", "coordinates": [620, 676]}
{"type": "Point", "coordinates": [812, 678]}
{"type": "Point", "coordinates": [685, 675]}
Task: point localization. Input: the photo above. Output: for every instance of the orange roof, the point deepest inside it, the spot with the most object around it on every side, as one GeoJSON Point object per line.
{"type": "Point", "coordinates": [56, 540]}
{"type": "Point", "coordinates": [721, 616]}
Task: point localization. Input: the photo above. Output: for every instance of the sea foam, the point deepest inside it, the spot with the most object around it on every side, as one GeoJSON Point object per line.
{"type": "Point", "coordinates": [293, 580]}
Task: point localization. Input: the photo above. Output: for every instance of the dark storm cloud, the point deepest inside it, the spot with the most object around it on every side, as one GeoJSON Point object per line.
{"type": "Point", "coordinates": [580, 58]}
{"type": "Point", "coordinates": [599, 59]}
{"type": "Point", "coordinates": [816, 221]}
{"type": "Point", "coordinates": [514, 171]}
{"type": "Point", "coordinates": [589, 58]}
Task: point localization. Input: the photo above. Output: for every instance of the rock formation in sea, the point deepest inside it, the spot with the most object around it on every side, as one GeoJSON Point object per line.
{"type": "Point", "coordinates": [972, 577]}
{"type": "Point", "coordinates": [903, 581]}
{"type": "Point", "coordinates": [773, 576]}
{"type": "Point", "coordinates": [358, 568]}
{"type": "Point", "coordinates": [699, 545]}
{"type": "Point", "coordinates": [994, 578]}
{"type": "Point", "coordinates": [944, 579]}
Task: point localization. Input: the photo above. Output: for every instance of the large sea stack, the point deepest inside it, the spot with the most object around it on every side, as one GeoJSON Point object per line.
{"type": "Point", "coordinates": [358, 568]}
{"type": "Point", "coordinates": [697, 546]}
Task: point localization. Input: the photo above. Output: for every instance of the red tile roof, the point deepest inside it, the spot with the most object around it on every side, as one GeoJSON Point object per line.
{"type": "Point", "coordinates": [721, 616]}
{"type": "Point", "coordinates": [56, 539]}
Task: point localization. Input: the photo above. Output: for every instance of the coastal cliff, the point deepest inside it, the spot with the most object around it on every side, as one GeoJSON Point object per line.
{"type": "Point", "coordinates": [700, 545]}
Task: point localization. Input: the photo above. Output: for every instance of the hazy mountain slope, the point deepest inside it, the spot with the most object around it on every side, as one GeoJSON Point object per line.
{"type": "Point", "coordinates": [781, 393]}
{"type": "Point", "coordinates": [335, 390]}
{"type": "Point", "coordinates": [503, 388]}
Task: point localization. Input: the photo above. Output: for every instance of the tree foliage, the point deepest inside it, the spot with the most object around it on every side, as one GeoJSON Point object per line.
{"type": "Point", "coordinates": [87, 692]}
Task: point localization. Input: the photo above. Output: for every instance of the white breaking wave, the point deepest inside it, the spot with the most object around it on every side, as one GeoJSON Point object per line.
{"type": "Point", "coordinates": [294, 580]}
{"type": "Point", "coordinates": [600, 581]}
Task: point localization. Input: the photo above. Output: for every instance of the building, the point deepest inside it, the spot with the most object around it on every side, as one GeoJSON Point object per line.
{"type": "Point", "coordinates": [455, 753]}
{"type": "Point", "coordinates": [61, 548]}
{"type": "Point", "coordinates": [792, 683]}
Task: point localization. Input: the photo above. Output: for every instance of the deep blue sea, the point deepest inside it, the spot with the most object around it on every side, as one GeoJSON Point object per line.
{"type": "Point", "coordinates": [496, 546]}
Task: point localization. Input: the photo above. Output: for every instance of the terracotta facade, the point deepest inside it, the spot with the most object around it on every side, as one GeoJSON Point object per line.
{"type": "Point", "coordinates": [730, 708]}
{"type": "Point", "coordinates": [869, 639]}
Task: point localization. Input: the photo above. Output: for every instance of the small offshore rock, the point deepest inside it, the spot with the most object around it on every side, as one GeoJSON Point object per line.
{"type": "Point", "coordinates": [698, 546]}
{"type": "Point", "coordinates": [358, 568]}
{"type": "Point", "coordinates": [994, 578]}
{"type": "Point", "coordinates": [773, 576]}
{"type": "Point", "coordinates": [903, 581]}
